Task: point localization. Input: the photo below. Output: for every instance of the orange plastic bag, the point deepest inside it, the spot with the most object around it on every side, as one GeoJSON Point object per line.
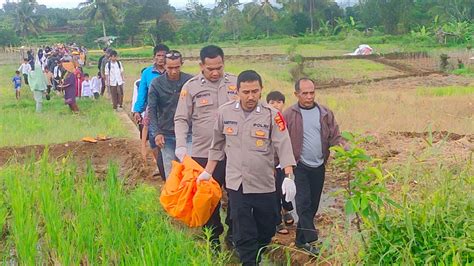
{"type": "Point", "coordinates": [184, 199]}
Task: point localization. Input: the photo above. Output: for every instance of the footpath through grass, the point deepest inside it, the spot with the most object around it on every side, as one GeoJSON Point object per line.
{"type": "Point", "coordinates": [20, 125]}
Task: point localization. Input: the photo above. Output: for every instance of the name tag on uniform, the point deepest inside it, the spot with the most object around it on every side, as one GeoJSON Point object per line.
{"type": "Point", "coordinates": [260, 133]}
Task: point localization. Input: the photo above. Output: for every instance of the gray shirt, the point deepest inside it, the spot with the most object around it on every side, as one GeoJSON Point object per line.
{"type": "Point", "coordinates": [312, 153]}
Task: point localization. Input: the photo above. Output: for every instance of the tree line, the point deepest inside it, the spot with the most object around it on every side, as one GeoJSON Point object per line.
{"type": "Point", "coordinates": [137, 22]}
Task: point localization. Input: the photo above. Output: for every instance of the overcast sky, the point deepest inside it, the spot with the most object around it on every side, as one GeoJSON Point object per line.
{"type": "Point", "coordinates": [74, 3]}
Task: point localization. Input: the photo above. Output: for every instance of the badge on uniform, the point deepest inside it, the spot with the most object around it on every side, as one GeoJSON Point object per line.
{"type": "Point", "coordinates": [259, 143]}
{"type": "Point", "coordinates": [232, 87]}
{"type": "Point", "coordinates": [260, 133]}
{"type": "Point", "coordinates": [280, 121]}
{"type": "Point", "coordinates": [183, 94]}
{"type": "Point", "coordinates": [229, 130]}
{"type": "Point", "coordinates": [204, 101]}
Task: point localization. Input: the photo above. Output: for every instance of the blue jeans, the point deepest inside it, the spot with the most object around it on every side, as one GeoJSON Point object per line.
{"type": "Point", "coordinates": [168, 152]}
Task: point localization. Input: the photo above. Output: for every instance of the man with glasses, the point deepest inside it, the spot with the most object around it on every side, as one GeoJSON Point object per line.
{"type": "Point", "coordinates": [163, 97]}
{"type": "Point", "coordinates": [197, 108]}
{"type": "Point", "coordinates": [148, 75]}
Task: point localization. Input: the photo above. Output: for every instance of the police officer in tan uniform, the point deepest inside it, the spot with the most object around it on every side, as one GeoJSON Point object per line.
{"type": "Point", "coordinates": [249, 133]}
{"type": "Point", "coordinates": [200, 98]}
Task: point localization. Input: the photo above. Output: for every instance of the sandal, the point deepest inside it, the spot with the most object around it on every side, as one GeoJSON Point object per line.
{"type": "Point", "coordinates": [281, 229]}
{"type": "Point", "coordinates": [288, 218]}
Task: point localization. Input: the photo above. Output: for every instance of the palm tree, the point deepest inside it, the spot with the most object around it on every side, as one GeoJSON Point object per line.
{"type": "Point", "coordinates": [266, 9]}
{"type": "Point", "coordinates": [223, 6]}
{"type": "Point", "coordinates": [27, 21]}
{"type": "Point", "coordinates": [101, 10]}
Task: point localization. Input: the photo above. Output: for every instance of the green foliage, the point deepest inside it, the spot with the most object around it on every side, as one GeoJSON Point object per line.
{"type": "Point", "coordinates": [365, 192]}
{"type": "Point", "coordinates": [82, 219]}
{"type": "Point", "coordinates": [434, 226]}
{"type": "Point", "coordinates": [448, 90]}
{"type": "Point", "coordinates": [8, 37]}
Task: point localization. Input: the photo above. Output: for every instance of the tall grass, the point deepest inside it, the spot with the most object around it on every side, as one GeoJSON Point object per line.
{"type": "Point", "coordinates": [58, 216]}
{"type": "Point", "coordinates": [445, 91]}
{"type": "Point", "coordinates": [435, 223]}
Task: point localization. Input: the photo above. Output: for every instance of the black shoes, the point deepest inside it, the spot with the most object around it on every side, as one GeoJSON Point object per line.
{"type": "Point", "coordinates": [310, 248]}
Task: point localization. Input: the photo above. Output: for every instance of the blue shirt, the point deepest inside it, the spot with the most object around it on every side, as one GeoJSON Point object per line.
{"type": "Point", "coordinates": [312, 152]}
{"type": "Point", "coordinates": [16, 82]}
{"type": "Point", "coordinates": [148, 75]}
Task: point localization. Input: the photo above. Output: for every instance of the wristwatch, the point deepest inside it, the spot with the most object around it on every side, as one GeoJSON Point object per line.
{"type": "Point", "coordinates": [290, 176]}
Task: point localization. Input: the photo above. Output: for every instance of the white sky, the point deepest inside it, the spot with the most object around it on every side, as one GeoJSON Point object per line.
{"type": "Point", "coordinates": [74, 3]}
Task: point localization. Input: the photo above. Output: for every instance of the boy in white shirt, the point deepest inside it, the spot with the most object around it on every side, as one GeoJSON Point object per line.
{"type": "Point", "coordinates": [86, 87]}
{"type": "Point", "coordinates": [114, 79]}
{"type": "Point", "coordinates": [96, 85]}
{"type": "Point", "coordinates": [25, 69]}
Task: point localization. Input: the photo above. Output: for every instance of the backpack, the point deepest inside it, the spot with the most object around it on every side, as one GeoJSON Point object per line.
{"type": "Point", "coordinates": [119, 65]}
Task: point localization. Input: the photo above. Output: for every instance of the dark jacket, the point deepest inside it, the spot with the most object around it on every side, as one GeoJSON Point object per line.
{"type": "Point", "coordinates": [330, 135]}
{"type": "Point", "coordinates": [163, 96]}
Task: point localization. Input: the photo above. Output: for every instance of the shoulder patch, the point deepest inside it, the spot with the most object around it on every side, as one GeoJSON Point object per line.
{"type": "Point", "coordinates": [280, 121]}
{"type": "Point", "coordinates": [183, 93]}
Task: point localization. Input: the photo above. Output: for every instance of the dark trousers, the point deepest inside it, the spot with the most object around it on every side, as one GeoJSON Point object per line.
{"type": "Point", "coordinates": [281, 202]}
{"type": "Point", "coordinates": [25, 78]}
{"type": "Point", "coordinates": [102, 89]}
{"type": "Point", "coordinates": [214, 222]}
{"type": "Point", "coordinates": [253, 218]}
{"type": "Point", "coordinates": [309, 186]}
{"type": "Point", "coordinates": [116, 92]}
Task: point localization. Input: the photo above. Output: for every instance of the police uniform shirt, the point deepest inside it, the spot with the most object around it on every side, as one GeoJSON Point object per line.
{"type": "Point", "coordinates": [250, 144]}
{"type": "Point", "coordinates": [197, 108]}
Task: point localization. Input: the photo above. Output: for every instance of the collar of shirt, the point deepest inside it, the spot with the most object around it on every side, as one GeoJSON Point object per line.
{"type": "Point", "coordinates": [156, 70]}
{"type": "Point", "coordinates": [218, 83]}
{"type": "Point", "coordinates": [257, 109]}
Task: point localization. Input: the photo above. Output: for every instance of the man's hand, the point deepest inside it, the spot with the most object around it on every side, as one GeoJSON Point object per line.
{"type": "Point", "coordinates": [160, 141]}
{"type": "Point", "coordinates": [288, 189]}
{"type": "Point", "coordinates": [137, 117]}
{"type": "Point", "coordinates": [204, 176]}
{"type": "Point", "coordinates": [180, 152]}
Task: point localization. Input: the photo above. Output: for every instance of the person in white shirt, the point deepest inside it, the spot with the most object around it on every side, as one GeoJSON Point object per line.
{"type": "Point", "coordinates": [25, 69]}
{"type": "Point", "coordinates": [86, 87]}
{"type": "Point", "coordinates": [96, 85]}
{"type": "Point", "coordinates": [114, 79]}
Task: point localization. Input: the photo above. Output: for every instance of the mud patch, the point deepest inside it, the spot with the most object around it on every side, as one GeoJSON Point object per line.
{"type": "Point", "coordinates": [123, 152]}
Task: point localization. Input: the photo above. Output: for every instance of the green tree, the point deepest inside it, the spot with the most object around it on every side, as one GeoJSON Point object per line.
{"type": "Point", "coordinates": [131, 24]}
{"type": "Point", "coordinates": [101, 11]}
{"type": "Point", "coordinates": [232, 21]}
{"type": "Point", "coordinates": [27, 21]}
{"type": "Point", "coordinates": [266, 10]}
{"type": "Point", "coordinates": [224, 6]}
{"type": "Point", "coordinates": [155, 10]}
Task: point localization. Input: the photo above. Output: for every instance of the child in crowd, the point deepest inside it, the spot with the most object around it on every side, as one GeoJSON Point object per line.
{"type": "Point", "coordinates": [25, 69]}
{"type": "Point", "coordinates": [96, 85]}
{"type": "Point", "coordinates": [49, 82]}
{"type": "Point", "coordinates": [115, 80]}
{"type": "Point", "coordinates": [86, 87]}
{"type": "Point", "coordinates": [17, 84]}
{"type": "Point", "coordinates": [277, 100]}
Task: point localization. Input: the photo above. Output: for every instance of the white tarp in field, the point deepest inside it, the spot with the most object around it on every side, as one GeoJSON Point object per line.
{"type": "Point", "coordinates": [363, 49]}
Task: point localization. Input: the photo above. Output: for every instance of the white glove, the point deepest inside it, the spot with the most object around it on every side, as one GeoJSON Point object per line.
{"type": "Point", "coordinates": [180, 153]}
{"type": "Point", "coordinates": [204, 176]}
{"type": "Point", "coordinates": [288, 188]}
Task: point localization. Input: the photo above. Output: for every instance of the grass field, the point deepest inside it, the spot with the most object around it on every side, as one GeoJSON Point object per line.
{"type": "Point", "coordinates": [20, 125]}
{"type": "Point", "coordinates": [52, 214]}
